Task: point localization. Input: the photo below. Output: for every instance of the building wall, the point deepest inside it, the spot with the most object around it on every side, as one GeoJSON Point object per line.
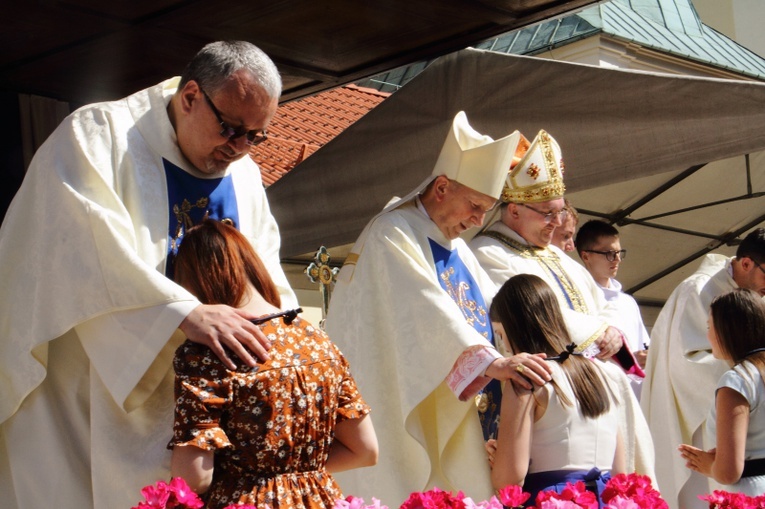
{"type": "Point", "coordinates": [741, 20]}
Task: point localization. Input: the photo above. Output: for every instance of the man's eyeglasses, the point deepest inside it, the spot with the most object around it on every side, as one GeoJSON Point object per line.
{"type": "Point", "coordinates": [254, 137]}
{"type": "Point", "coordinates": [610, 255]}
{"type": "Point", "coordinates": [758, 266]}
{"type": "Point", "coordinates": [562, 214]}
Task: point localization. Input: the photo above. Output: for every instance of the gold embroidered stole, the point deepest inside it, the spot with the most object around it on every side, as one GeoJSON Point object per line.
{"type": "Point", "coordinates": [550, 262]}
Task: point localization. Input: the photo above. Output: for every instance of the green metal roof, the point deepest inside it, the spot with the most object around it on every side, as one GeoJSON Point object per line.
{"type": "Point", "coordinates": [668, 26]}
{"type": "Point", "coordinates": [673, 26]}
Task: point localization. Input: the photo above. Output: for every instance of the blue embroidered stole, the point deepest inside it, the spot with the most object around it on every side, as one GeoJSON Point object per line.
{"type": "Point", "coordinates": [459, 284]}
{"type": "Point", "coordinates": [192, 199]}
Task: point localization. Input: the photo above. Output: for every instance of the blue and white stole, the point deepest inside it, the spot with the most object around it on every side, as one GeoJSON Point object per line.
{"type": "Point", "coordinates": [193, 199]}
{"type": "Point", "coordinates": [458, 282]}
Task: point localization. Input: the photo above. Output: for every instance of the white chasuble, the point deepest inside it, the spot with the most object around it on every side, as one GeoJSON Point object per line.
{"type": "Point", "coordinates": [681, 373]}
{"type": "Point", "coordinates": [402, 333]}
{"type": "Point", "coordinates": [86, 399]}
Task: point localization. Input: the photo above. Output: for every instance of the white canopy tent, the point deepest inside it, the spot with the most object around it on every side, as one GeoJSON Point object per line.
{"type": "Point", "coordinates": [676, 162]}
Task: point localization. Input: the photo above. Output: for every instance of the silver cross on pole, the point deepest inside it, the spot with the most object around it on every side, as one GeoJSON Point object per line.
{"type": "Point", "coordinates": [319, 271]}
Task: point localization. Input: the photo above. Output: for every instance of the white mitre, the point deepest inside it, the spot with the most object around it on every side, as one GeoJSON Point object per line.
{"type": "Point", "coordinates": [476, 160]}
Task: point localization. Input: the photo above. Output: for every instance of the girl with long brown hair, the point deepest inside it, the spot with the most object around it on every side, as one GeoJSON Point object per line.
{"type": "Point", "coordinates": [736, 423]}
{"type": "Point", "coordinates": [566, 430]}
{"type": "Point", "coordinates": [268, 435]}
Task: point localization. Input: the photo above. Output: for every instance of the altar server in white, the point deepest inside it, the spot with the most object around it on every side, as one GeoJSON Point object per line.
{"type": "Point", "coordinates": [601, 252]}
{"type": "Point", "coordinates": [681, 372]}
{"type": "Point", "coordinates": [89, 319]}
{"type": "Point", "coordinates": [410, 313]}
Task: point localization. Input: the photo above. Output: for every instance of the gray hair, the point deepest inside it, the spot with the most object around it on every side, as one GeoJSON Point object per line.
{"type": "Point", "coordinates": [217, 61]}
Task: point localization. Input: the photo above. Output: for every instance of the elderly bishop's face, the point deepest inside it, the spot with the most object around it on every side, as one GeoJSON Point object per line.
{"type": "Point", "coordinates": [458, 207]}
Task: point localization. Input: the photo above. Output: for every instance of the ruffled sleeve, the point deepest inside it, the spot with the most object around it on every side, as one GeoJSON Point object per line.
{"type": "Point", "coordinates": [203, 390]}
{"type": "Point", "coordinates": [350, 404]}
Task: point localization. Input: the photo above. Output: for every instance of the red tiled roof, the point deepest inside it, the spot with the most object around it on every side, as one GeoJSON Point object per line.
{"type": "Point", "coordinates": [301, 127]}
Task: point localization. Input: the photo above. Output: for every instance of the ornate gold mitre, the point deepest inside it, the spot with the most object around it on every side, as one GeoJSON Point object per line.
{"type": "Point", "coordinates": [538, 176]}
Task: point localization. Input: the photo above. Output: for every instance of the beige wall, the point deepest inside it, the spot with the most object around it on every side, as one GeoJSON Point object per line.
{"type": "Point", "coordinates": [741, 20]}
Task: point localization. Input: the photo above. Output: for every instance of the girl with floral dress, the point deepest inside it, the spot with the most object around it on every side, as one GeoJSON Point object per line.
{"type": "Point", "coordinates": [271, 434]}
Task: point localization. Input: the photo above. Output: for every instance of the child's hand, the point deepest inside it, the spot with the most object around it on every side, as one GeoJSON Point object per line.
{"type": "Point", "coordinates": [698, 460]}
{"type": "Point", "coordinates": [491, 449]}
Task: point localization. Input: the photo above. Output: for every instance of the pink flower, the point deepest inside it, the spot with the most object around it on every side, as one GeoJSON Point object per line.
{"type": "Point", "coordinates": [635, 488]}
{"type": "Point", "coordinates": [576, 494]}
{"type": "Point", "coordinates": [351, 502]}
{"type": "Point", "coordinates": [556, 503]}
{"type": "Point", "coordinates": [620, 502]}
{"type": "Point", "coordinates": [434, 499]}
{"type": "Point", "coordinates": [156, 496]}
{"type": "Point", "coordinates": [492, 503]}
{"type": "Point", "coordinates": [725, 500]}
{"type": "Point", "coordinates": [176, 495]}
{"type": "Point", "coordinates": [513, 496]}
{"type": "Point", "coordinates": [184, 495]}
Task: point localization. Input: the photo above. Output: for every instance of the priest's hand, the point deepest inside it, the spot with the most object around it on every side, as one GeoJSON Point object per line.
{"type": "Point", "coordinates": [523, 369]}
{"type": "Point", "coordinates": [609, 343]}
{"type": "Point", "coordinates": [218, 325]}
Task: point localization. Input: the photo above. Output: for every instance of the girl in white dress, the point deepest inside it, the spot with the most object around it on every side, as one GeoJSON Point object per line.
{"type": "Point", "coordinates": [566, 430]}
{"type": "Point", "coordinates": [736, 424]}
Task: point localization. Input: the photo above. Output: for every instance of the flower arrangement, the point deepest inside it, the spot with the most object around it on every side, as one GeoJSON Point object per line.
{"type": "Point", "coordinates": [623, 491]}
{"type": "Point", "coordinates": [719, 499]}
{"type": "Point", "coordinates": [573, 496]}
{"type": "Point", "coordinates": [631, 491]}
{"type": "Point", "coordinates": [175, 495]}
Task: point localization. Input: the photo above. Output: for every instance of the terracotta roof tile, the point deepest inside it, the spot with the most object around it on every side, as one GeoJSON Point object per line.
{"type": "Point", "coordinates": [299, 128]}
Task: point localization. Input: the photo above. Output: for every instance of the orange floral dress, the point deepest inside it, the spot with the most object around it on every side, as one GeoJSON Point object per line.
{"type": "Point", "coordinates": [271, 426]}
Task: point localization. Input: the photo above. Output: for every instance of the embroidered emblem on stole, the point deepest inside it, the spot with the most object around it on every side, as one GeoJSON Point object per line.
{"type": "Point", "coordinates": [458, 282]}
{"type": "Point", "coordinates": [192, 199]}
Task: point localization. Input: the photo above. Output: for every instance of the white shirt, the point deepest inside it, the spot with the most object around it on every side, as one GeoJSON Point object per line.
{"type": "Point", "coordinates": [628, 318]}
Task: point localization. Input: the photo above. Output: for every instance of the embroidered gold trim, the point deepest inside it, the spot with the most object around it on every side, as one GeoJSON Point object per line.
{"type": "Point", "coordinates": [549, 261]}
{"type": "Point", "coordinates": [589, 341]}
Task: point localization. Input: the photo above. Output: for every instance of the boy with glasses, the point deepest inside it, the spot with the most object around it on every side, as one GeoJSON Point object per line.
{"type": "Point", "coordinates": [600, 250]}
